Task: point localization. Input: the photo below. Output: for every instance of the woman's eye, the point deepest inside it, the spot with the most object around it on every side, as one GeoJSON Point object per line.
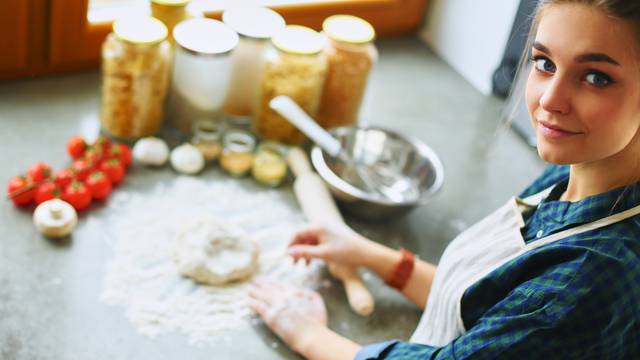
{"type": "Point", "coordinates": [544, 64]}
{"type": "Point", "coordinates": [598, 79]}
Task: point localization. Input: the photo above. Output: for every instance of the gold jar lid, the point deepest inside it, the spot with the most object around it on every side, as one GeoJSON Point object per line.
{"type": "Point", "coordinates": [171, 2]}
{"type": "Point", "coordinates": [140, 30]}
{"type": "Point", "coordinates": [297, 39]}
{"type": "Point", "coordinates": [349, 29]}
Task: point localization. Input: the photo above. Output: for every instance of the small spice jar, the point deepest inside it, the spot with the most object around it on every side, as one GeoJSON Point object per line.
{"type": "Point", "coordinates": [296, 67]}
{"type": "Point", "coordinates": [256, 26]}
{"type": "Point", "coordinates": [201, 71]}
{"type": "Point", "coordinates": [170, 12]}
{"type": "Point", "coordinates": [269, 164]}
{"type": "Point", "coordinates": [350, 55]}
{"type": "Point", "coordinates": [135, 72]}
{"type": "Point", "coordinates": [237, 156]}
{"type": "Point", "coordinates": [207, 137]}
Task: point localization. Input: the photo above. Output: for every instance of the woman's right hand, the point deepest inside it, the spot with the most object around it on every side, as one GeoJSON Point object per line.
{"type": "Point", "coordinates": [335, 242]}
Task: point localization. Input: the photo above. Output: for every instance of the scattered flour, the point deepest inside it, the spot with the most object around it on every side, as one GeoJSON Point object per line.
{"type": "Point", "coordinates": [143, 278]}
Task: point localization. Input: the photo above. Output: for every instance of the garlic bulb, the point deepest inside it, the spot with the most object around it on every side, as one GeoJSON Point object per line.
{"type": "Point", "coordinates": [187, 159]}
{"type": "Point", "coordinates": [55, 218]}
{"type": "Point", "coordinates": [151, 151]}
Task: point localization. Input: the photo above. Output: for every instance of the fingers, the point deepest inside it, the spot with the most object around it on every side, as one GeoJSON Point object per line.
{"type": "Point", "coordinates": [308, 236]}
{"type": "Point", "coordinates": [258, 306]}
{"type": "Point", "coordinates": [307, 252]}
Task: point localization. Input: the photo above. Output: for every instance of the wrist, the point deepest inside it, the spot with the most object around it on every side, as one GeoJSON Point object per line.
{"type": "Point", "coordinates": [322, 341]}
{"type": "Point", "coordinates": [308, 338]}
{"type": "Point", "coordinates": [381, 259]}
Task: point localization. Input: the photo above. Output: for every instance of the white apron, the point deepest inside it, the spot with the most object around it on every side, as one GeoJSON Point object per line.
{"type": "Point", "coordinates": [475, 253]}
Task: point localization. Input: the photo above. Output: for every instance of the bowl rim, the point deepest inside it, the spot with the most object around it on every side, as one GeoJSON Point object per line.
{"type": "Point", "coordinates": [317, 159]}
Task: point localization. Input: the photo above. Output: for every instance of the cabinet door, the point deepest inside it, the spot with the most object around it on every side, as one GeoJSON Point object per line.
{"type": "Point", "coordinates": [13, 35]}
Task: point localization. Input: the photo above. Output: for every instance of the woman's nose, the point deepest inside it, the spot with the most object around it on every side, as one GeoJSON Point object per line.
{"type": "Point", "coordinates": [556, 96]}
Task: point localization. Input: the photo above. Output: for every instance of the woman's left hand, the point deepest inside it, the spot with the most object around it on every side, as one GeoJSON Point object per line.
{"type": "Point", "coordinates": [294, 314]}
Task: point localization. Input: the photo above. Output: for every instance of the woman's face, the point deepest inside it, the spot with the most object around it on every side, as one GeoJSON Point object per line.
{"type": "Point", "coordinates": [583, 92]}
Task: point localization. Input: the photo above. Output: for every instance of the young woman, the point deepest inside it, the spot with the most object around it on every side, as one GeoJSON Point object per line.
{"type": "Point", "coordinates": [552, 274]}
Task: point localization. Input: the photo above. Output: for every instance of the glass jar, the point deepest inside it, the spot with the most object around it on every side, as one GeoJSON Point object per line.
{"type": "Point", "coordinates": [296, 67]}
{"type": "Point", "coordinates": [201, 71]}
{"type": "Point", "coordinates": [237, 156]}
{"type": "Point", "coordinates": [207, 137]}
{"type": "Point", "coordinates": [350, 55]}
{"type": "Point", "coordinates": [135, 71]}
{"type": "Point", "coordinates": [256, 26]}
{"type": "Point", "coordinates": [170, 12]}
{"type": "Point", "coordinates": [269, 164]}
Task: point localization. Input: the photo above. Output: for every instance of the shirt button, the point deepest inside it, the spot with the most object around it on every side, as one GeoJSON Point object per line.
{"type": "Point", "coordinates": [539, 233]}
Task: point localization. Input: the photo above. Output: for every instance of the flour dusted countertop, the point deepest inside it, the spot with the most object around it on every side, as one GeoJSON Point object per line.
{"type": "Point", "coordinates": [54, 302]}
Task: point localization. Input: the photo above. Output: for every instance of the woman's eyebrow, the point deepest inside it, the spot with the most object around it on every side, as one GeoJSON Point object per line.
{"type": "Point", "coordinates": [596, 57]}
{"type": "Point", "coordinates": [538, 46]}
{"type": "Point", "coordinates": [590, 57]}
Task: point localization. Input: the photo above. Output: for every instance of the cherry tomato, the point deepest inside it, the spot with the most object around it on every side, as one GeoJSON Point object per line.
{"type": "Point", "coordinates": [77, 194]}
{"type": "Point", "coordinates": [47, 191]}
{"type": "Point", "coordinates": [103, 143]}
{"type": "Point", "coordinates": [64, 177]}
{"type": "Point", "coordinates": [113, 169]}
{"type": "Point", "coordinates": [39, 171]}
{"type": "Point", "coordinates": [82, 168]}
{"type": "Point", "coordinates": [27, 190]}
{"type": "Point", "coordinates": [94, 154]}
{"type": "Point", "coordinates": [76, 147]}
{"type": "Point", "coordinates": [122, 152]}
{"type": "Point", "coordinates": [99, 185]}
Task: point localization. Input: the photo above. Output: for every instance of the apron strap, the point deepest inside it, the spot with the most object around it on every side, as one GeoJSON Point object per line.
{"type": "Point", "coordinates": [612, 219]}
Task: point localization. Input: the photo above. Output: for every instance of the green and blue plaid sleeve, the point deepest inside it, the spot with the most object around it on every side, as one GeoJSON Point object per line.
{"type": "Point", "coordinates": [578, 308]}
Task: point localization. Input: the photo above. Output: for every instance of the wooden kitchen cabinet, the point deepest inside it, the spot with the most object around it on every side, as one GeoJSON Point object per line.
{"type": "Point", "coordinates": [40, 37]}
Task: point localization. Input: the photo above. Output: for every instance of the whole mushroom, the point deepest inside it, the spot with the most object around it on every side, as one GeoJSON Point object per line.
{"type": "Point", "coordinates": [151, 151]}
{"type": "Point", "coordinates": [187, 159]}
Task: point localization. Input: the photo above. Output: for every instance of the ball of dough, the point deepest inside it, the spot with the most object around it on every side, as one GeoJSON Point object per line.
{"type": "Point", "coordinates": [211, 252]}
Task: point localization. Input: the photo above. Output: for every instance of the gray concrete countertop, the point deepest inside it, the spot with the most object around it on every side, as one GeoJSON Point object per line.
{"type": "Point", "coordinates": [49, 292]}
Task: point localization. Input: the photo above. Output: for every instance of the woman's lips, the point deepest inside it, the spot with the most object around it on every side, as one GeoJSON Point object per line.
{"type": "Point", "coordinates": [554, 132]}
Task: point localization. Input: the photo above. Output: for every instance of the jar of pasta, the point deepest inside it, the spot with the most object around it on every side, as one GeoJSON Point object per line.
{"type": "Point", "coordinates": [201, 71]}
{"type": "Point", "coordinates": [350, 55]}
{"type": "Point", "coordinates": [135, 71]}
{"type": "Point", "coordinates": [256, 26]}
{"type": "Point", "coordinates": [296, 67]}
{"type": "Point", "coordinates": [170, 12]}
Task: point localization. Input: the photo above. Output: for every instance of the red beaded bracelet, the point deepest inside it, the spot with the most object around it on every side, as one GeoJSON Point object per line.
{"type": "Point", "coordinates": [402, 272]}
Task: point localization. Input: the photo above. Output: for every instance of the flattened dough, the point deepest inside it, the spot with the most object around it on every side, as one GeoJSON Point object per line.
{"type": "Point", "coordinates": [212, 252]}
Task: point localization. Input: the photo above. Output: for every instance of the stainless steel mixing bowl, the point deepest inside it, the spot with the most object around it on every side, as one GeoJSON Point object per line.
{"type": "Point", "coordinates": [410, 164]}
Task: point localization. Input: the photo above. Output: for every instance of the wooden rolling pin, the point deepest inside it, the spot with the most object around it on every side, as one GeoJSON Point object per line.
{"type": "Point", "coordinates": [318, 206]}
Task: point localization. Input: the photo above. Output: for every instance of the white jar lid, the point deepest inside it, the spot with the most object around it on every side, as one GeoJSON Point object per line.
{"type": "Point", "coordinates": [205, 36]}
{"type": "Point", "coordinates": [140, 30]}
{"type": "Point", "coordinates": [254, 22]}
{"type": "Point", "coordinates": [347, 28]}
{"type": "Point", "coordinates": [298, 39]}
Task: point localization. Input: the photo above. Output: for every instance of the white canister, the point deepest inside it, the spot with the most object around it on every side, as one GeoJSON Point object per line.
{"type": "Point", "coordinates": [256, 26]}
{"type": "Point", "coordinates": [201, 71]}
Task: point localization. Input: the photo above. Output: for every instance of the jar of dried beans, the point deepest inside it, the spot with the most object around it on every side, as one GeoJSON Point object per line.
{"type": "Point", "coordinates": [350, 55]}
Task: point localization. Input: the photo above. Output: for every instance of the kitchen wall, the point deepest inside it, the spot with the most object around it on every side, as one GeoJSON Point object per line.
{"type": "Point", "coordinates": [470, 35]}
